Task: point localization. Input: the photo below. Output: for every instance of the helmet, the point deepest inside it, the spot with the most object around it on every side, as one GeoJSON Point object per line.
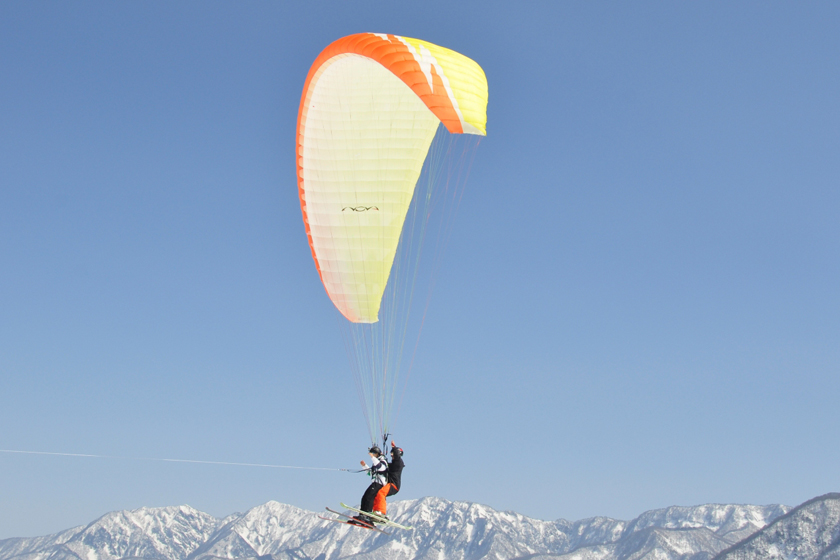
{"type": "Point", "coordinates": [375, 450]}
{"type": "Point", "coordinates": [397, 451]}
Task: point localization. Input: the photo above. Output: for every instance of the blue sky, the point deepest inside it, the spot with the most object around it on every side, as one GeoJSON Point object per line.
{"type": "Point", "coordinates": [638, 307]}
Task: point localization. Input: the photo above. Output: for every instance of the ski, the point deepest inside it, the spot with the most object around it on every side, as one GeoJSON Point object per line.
{"type": "Point", "coordinates": [377, 518]}
{"type": "Point", "coordinates": [348, 516]}
{"type": "Point", "coordinates": [352, 524]}
{"type": "Point", "coordinates": [354, 521]}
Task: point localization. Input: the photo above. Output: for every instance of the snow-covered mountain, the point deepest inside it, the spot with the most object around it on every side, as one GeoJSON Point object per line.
{"type": "Point", "coordinates": [169, 533]}
{"type": "Point", "coordinates": [808, 532]}
{"type": "Point", "coordinates": [442, 530]}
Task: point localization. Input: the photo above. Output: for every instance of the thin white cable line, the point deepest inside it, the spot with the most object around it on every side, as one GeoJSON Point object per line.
{"type": "Point", "coordinates": [170, 460]}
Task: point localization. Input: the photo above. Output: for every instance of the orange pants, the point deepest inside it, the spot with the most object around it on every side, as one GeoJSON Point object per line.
{"type": "Point", "coordinates": [379, 501]}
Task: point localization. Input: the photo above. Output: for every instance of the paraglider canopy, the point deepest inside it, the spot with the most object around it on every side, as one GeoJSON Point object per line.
{"type": "Point", "coordinates": [370, 107]}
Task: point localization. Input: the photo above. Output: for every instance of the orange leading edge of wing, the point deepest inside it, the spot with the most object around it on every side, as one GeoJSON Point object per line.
{"type": "Point", "coordinates": [394, 55]}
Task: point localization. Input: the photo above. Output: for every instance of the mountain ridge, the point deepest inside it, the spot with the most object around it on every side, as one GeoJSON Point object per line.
{"type": "Point", "coordinates": [443, 529]}
{"type": "Point", "coordinates": [811, 530]}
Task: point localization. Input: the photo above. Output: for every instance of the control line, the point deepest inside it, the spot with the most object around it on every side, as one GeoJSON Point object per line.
{"type": "Point", "coordinates": [171, 460]}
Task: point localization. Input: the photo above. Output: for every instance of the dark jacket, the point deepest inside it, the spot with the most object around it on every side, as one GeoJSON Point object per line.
{"type": "Point", "coordinates": [395, 468]}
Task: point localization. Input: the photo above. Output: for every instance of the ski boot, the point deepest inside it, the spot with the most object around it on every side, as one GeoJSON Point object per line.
{"type": "Point", "coordinates": [361, 520]}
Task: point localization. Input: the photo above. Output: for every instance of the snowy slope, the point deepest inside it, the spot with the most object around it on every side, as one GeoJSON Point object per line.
{"type": "Point", "coordinates": [695, 533]}
{"type": "Point", "coordinates": [443, 530]}
{"type": "Point", "coordinates": [809, 532]}
{"type": "Point", "coordinates": [30, 548]}
{"type": "Point", "coordinates": [169, 533]}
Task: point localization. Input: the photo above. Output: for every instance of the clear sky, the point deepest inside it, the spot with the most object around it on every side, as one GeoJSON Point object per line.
{"type": "Point", "coordinates": [639, 305]}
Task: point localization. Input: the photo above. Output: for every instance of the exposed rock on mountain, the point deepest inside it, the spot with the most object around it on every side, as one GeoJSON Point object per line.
{"type": "Point", "coordinates": [808, 532]}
